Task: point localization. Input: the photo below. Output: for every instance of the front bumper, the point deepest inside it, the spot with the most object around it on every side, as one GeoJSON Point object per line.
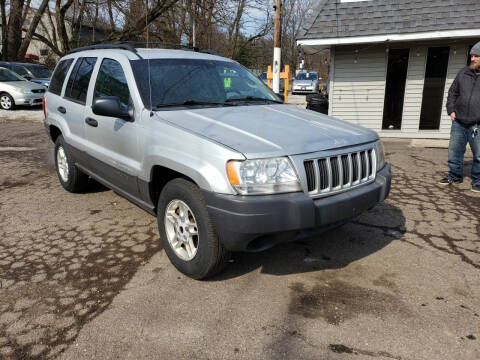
{"type": "Point", "coordinates": [255, 223]}
{"type": "Point", "coordinates": [304, 91]}
{"type": "Point", "coordinates": [28, 99]}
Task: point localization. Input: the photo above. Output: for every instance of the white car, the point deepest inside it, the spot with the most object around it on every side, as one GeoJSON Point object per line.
{"type": "Point", "coordinates": [305, 83]}
{"type": "Point", "coordinates": [15, 90]}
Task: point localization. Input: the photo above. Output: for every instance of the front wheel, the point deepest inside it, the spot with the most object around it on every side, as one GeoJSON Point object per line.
{"type": "Point", "coordinates": [187, 232]}
{"type": "Point", "coordinates": [6, 102]}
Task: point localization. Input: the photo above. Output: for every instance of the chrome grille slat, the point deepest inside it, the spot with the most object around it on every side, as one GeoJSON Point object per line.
{"type": "Point", "coordinates": [337, 173]}
{"type": "Point", "coordinates": [367, 160]}
{"type": "Point", "coordinates": [350, 166]}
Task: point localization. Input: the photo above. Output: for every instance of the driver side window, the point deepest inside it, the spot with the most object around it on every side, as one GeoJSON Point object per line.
{"type": "Point", "coordinates": [111, 81]}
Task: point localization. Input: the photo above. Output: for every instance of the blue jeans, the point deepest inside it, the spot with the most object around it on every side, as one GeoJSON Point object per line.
{"type": "Point", "coordinates": [459, 135]}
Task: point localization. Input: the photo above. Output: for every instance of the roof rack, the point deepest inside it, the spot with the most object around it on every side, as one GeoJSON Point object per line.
{"type": "Point", "coordinates": [136, 44]}
{"type": "Point", "coordinates": [118, 45]}
{"type": "Point", "coordinates": [132, 45]}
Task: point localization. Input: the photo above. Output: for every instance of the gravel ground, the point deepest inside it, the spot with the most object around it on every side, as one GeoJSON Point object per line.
{"type": "Point", "coordinates": [84, 276]}
{"type": "Point", "coordinates": [32, 114]}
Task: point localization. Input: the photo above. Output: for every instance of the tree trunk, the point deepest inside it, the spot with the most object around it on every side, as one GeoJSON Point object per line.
{"type": "Point", "coordinates": [61, 26]}
{"type": "Point", "coordinates": [94, 25]}
{"type": "Point", "coordinates": [14, 29]}
{"type": "Point", "coordinates": [110, 15]}
{"type": "Point", "coordinates": [4, 30]}
{"type": "Point", "coordinates": [31, 30]}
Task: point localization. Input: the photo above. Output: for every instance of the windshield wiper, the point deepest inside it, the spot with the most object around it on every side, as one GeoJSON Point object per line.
{"type": "Point", "coordinates": [253, 98]}
{"type": "Point", "coordinates": [192, 102]}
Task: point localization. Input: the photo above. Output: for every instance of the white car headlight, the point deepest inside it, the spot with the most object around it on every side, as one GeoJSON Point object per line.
{"type": "Point", "coordinates": [263, 176]}
{"type": "Point", "coordinates": [380, 155]}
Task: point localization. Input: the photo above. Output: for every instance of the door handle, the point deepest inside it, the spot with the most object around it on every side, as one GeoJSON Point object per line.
{"type": "Point", "coordinates": [62, 109]}
{"type": "Point", "coordinates": [91, 122]}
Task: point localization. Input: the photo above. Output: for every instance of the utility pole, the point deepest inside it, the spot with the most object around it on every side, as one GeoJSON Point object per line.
{"type": "Point", "coordinates": [277, 45]}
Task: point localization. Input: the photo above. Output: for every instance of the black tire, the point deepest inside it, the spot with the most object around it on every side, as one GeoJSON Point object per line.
{"type": "Point", "coordinates": [75, 180]}
{"type": "Point", "coordinates": [7, 102]}
{"type": "Point", "coordinates": [211, 257]}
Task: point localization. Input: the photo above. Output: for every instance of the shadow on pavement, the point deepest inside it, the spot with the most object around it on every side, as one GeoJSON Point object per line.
{"type": "Point", "coordinates": [367, 234]}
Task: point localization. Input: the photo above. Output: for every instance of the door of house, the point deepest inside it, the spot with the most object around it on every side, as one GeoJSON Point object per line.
{"type": "Point", "coordinates": [434, 87]}
{"type": "Point", "coordinates": [395, 89]}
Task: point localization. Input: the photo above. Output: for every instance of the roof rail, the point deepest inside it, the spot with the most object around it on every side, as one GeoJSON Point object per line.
{"type": "Point", "coordinates": [168, 45]}
{"type": "Point", "coordinates": [132, 45]}
{"type": "Point", "coordinates": [118, 45]}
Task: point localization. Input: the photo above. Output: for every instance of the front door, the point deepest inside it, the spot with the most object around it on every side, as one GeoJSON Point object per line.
{"type": "Point", "coordinates": [434, 88]}
{"type": "Point", "coordinates": [112, 142]}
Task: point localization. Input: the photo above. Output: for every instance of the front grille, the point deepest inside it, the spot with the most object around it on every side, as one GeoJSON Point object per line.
{"type": "Point", "coordinates": [38, 91]}
{"type": "Point", "coordinates": [340, 172]}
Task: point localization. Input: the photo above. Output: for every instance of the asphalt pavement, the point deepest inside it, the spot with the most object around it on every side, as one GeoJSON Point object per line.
{"type": "Point", "coordinates": [83, 276]}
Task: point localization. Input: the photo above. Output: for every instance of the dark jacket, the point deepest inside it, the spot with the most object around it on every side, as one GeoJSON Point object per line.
{"type": "Point", "coordinates": [464, 97]}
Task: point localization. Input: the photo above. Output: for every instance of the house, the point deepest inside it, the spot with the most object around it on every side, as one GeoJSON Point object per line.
{"type": "Point", "coordinates": [40, 52]}
{"type": "Point", "coordinates": [393, 61]}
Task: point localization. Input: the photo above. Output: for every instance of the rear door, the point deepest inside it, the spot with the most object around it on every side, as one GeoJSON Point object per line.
{"type": "Point", "coordinates": [74, 106]}
{"type": "Point", "coordinates": [112, 142]}
{"type": "Point", "coordinates": [54, 100]}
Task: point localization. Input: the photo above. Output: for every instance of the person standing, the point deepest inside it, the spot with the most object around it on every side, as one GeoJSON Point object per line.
{"type": "Point", "coordinates": [463, 106]}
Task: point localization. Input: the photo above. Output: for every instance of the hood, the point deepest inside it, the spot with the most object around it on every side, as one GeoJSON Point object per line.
{"type": "Point", "coordinates": [23, 84]}
{"type": "Point", "coordinates": [41, 81]}
{"type": "Point", "coordinates": [270, 130]}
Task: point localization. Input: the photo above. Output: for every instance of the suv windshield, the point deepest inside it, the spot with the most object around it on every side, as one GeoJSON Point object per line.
{"type": "Point", "coordinates": [193, 82]}
{"type": "Point", "coordinates": [40, 71]}
{"type": "Point", "coordinates": [7, 75]}
{"type": "Point", "coordinates": [306, 76]}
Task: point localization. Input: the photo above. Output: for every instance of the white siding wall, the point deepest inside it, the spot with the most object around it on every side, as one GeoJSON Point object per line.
{"type": "Point", "coordinates": [358, 89]}
{"type": "Point", "coordinates": [359, 86]}
{"type": "Point", "coordinates": [456, 62]}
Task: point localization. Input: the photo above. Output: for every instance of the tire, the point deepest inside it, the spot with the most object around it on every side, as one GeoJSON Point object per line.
{"type": "Point", "coordinates": [198, 252]}
{"type": "Point", "coordinates": [6, 102]}
{"type": "Point", "coordinates": [71, 178]}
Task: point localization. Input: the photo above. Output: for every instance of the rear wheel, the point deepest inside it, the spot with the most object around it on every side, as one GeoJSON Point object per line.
{"type": "Point", "coordinates": [187, 232]}
{"type": "Point", "coordinates": [6, 102]}
{"type": "Point", "coordinates": [71, 178]}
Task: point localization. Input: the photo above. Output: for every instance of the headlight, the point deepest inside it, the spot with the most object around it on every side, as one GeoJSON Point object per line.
{"type": "Point", "coordinates": [22, 90]}
{"type": "Point", "coordinates": [380, 155]}
{"type": "Point", "coordinates": [263, 176]}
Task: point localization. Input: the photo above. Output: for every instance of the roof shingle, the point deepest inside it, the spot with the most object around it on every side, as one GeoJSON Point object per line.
{"type": "Point", "coordinates": [333, 19]}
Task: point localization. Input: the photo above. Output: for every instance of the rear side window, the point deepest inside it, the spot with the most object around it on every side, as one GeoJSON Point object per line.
{"type": "Point", "coordinates": [59, 75]}
{"type": "Point", "coordinates": [77, 85]}
{"type": "Point", "coordinates": [111, 81]}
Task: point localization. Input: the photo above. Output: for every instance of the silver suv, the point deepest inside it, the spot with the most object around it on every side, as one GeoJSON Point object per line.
{"type": "Point", "coordinates": [202, 144]}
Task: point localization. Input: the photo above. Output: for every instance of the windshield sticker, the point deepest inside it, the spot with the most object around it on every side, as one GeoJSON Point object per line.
{"type": "Point", "coordinates": [227, 82]}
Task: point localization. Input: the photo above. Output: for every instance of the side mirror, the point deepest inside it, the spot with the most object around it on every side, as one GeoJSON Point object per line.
{"type": "Point", "coordinates": [281, 96]}
{"type": "Point", "coordinates": [110, 106]}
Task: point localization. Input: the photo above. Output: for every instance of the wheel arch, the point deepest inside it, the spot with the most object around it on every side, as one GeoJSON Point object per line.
{"type": "Point", "coordinates": [54, 132]}
{"type": "Point", "coordinates": [159, 177]}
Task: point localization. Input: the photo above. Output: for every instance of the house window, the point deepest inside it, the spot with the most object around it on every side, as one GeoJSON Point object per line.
{"type": "Point", "coordinates": [434, 87]}
{"type": "Point", "coordinates": [395, 88]}
{"type": "Point", "coordinates": [43, 52]}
